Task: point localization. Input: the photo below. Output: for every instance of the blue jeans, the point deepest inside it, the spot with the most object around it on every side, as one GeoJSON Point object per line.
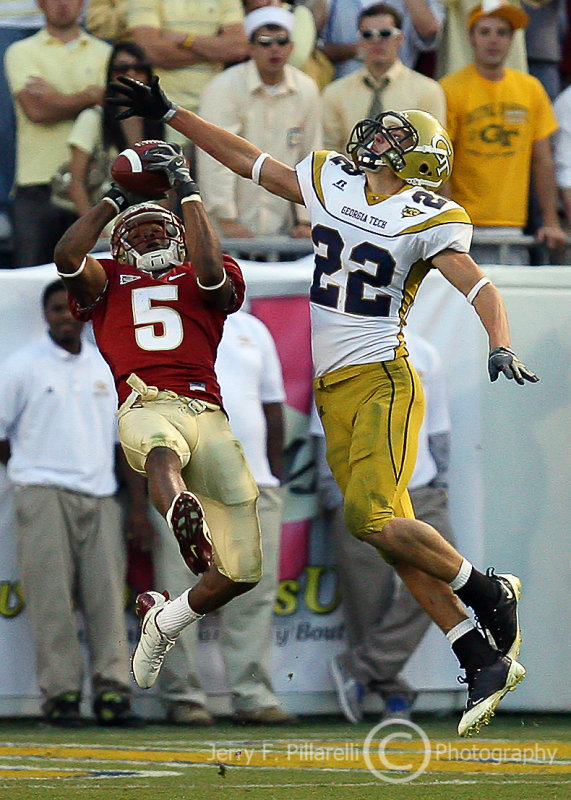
{"type": "Point", "coordinates": [7, 123]}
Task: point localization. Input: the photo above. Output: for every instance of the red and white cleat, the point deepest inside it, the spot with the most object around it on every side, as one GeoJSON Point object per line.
{"type": "Point", "coordinates": [186, 520]}
{"type": "Point", "coordinates": [153, 644]}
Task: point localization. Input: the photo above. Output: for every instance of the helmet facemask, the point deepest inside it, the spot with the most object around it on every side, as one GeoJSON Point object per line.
{"type": "Point", "coordinates": [157, 260]}
{"type": "Point", "coordinates": [397, 131]}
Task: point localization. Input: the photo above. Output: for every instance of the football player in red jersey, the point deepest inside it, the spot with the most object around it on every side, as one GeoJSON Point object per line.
{"type": "Point", "coordinates": [158, 308]}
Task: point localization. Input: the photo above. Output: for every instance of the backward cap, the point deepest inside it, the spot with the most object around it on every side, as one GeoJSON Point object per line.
{"type": "Point", "coordinates": [499, 8]}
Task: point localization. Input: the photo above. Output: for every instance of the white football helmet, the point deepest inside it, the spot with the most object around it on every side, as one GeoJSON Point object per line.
{"type": "Point", "coordinates": [123, 251]}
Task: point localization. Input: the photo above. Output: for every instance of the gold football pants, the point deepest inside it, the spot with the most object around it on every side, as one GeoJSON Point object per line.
{"type": "Point", "coordinates": [371, 414]}
{"type": "Point", "coordinates": [214, 468]}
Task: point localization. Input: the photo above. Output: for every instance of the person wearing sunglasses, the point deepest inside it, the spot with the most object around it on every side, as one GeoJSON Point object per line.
{"type": "Point", "coordinates": [382, 82]}
{"type": "Point", "coordinates": [273, 105]}
{"type": "Point", "coordinates": [421, 27]}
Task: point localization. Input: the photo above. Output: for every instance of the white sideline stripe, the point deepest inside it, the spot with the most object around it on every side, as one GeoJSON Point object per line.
{"type": "Point", "coordinates": [133, 159]}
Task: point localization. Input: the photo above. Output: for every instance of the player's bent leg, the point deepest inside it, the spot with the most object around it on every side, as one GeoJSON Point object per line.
{"type": "Point", "coordinates": [433, 595]}
{"type": "Point", "coordinates": [214, 590]}
{"type": "Point", "coordinates": [412, 542]}
{"type": "Point", "coordinates": [163, 471]}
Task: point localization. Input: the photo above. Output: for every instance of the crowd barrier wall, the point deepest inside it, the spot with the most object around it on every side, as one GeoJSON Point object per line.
{"type": "Point", "coordinates": [509, 491]}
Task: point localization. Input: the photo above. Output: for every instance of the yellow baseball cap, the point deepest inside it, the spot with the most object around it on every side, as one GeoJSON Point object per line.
{"type": "Point", "coordinates": [499, 8]}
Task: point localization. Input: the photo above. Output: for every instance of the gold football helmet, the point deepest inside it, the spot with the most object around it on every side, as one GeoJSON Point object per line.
{"type": "Point", "coordinates": [420, 151]}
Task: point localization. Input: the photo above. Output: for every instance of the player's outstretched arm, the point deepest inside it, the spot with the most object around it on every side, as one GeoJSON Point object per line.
{"type": "Point", "coordinates": [236, 153]}
{"type": "Point", "coordinates": [465, 275]}
{"type": "Point", "coordinates": [82, 274]}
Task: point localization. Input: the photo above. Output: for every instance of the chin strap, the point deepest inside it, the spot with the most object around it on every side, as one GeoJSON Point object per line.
{"type": "Point", "coordinates": [158, 259]}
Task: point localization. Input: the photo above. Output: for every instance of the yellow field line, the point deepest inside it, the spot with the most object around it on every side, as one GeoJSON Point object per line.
{"type": "Point", "coordinates": [492, 757]}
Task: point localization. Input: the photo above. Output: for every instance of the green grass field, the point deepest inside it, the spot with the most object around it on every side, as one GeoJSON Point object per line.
{"type": "Point", "coordinates": [522, 757]}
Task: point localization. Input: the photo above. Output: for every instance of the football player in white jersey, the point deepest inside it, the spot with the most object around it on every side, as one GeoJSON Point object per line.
{"type": "Point", "coordinates": [377, 228]}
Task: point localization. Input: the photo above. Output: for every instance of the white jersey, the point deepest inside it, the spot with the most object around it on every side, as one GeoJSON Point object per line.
{"type": "Point", "coordinates": [371, 254]}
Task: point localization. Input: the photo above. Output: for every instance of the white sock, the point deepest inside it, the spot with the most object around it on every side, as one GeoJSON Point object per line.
{"type": "Point", "coordinates": [459, 630]}
{"type": "Point", "coordinates": [462, 577]}
{"type": "Point", "coordinates": [176, 615]}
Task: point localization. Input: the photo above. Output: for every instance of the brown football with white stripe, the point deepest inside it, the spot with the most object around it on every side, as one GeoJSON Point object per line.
{"type": "Point", "coordinates": [130, 173]}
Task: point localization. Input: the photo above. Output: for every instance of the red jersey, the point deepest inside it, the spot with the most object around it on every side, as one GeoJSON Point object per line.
{"type": "Point", "coordinates": [160, 328]}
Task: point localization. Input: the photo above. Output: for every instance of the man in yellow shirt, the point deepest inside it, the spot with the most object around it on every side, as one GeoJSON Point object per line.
{"type": "Point", "coordinates": [187, 42]}
{"type": "Point", "coordinates": [500, 121]}
{"type": "Point", "coordinates": [52, 75]}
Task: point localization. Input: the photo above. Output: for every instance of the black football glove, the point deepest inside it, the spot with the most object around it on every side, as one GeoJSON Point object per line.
{"type": "Point", "coordinates": [502, 359]}
{"type": "Point", "coordinates": [169, 159]}
{"type": "Point", "coordinates": [140, 100]}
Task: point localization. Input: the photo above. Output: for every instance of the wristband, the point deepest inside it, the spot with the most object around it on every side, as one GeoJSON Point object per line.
{"type": "Point", "coordinates": [189, 41]}
{"type": "Point", "coordinates": [257, 167]}
{"type": "Point", "coordinates": [186, 189]}
{"type": "Point", "coordinates": [216, 286]}
{"type": "Point", "coordinates": [113, 203]}
{"type": "Point", "coordinates": [77, 272]}
{"type": "Point", "coordinates": [170, 113]}
{"type": "Point", "coordinates": [471, 296]}
{"type": "Point", "coordinates": [194, 197]}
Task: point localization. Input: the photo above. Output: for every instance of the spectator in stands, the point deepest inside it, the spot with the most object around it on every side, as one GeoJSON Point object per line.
{"type": "Point", "coordinates": [53, 75]}
{"type": "Point", "coordinates": [500, 121]}
{"type": "Point", "coordinates": [273, 105]}
{"type": "Point", "coordinates": [310, 16]}
{"type": "Point", "coordinates": [543, 40]}
{"type": "Point", "coordinates": [98, 134]}
{"type": "Point", "coordinates": [58, 436]}
{"type": "Point", "coordinates": [385, 624]}
{"type": "Point", "coordinates": [107, 19]}
{"type": "Point", "coordinates": [250, 378]}
{"type": "Point", "coordinates": [562, 108]}
{"type": "Point", "coordinates": [383, 82]}
{"type": "Point", "coordinates": [303, 35]}
{"type": "Point", "coordinates": [422, 22]}
{"type": "Point", "coordinates": [454, 49]}
{"type": "Point", "coordinates": [187, 43]}
{"type": "Point", "coordinates": [15, 24]}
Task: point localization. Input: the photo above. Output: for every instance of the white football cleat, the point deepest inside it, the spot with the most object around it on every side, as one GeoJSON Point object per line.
{"type": "Point", "coordinates": [153, 645]}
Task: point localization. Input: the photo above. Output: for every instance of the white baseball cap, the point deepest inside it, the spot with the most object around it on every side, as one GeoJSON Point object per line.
{"type": "Point", "coordinates": [268, 15]}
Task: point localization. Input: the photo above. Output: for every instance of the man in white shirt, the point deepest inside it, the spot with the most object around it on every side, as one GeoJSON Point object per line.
{"type": "Point", "coordinates": [58, 436]}
{"type": "Point", "coordinates": [273, 105]}
{"type": "Point", "coordinates": [385, 624]}
{"type": "Point", "coordinates": [250, 377]}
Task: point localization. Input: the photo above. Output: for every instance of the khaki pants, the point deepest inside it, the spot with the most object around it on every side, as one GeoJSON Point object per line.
{"type": "Point", "coordinates": [213, 464]}
{"type": "Point", "coordinates": [71, 550]}
{"type": "Point", "coordinates": [245, 622]}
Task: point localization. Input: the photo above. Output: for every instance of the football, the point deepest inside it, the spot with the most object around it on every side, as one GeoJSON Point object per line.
{"type": "Point", "coordinates": [130, 173]}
